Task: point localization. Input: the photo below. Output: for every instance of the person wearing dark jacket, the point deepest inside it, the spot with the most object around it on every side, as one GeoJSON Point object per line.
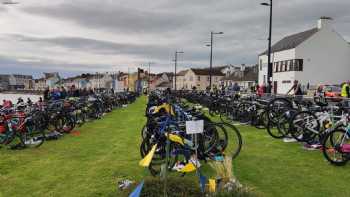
{"type": "Point", "coordinates": [56, 94]}
{"type": "Point", "coordinates": [91, 91]}
{"type": "Point", "coordinates": [296, 88]}
{"type": "Point", "coordinates": [73, 92]}
{"type": "Point", "coordinates": [63, 93]}
{"type": "Point", "coordinates": [84, 92]}
{"type": "Point", "coordinates": [46, 94]}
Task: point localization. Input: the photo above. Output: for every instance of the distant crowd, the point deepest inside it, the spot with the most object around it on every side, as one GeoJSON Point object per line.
{"type": "Point", "coordinates": [53, 95]}
{"type": "Point", "coordinates": [63, 93]}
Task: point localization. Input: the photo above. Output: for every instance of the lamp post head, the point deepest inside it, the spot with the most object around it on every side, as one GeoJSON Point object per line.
{"type": "Point", "coordinates": [265, 4]}
{"type": "Point", "coordinates": [9, 2]}
{"type": "Point", "coordinates": [217, 32]}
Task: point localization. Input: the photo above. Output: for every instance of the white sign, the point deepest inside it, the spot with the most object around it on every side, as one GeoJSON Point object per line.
{"type": "Point", "coordinates": [194, 127]}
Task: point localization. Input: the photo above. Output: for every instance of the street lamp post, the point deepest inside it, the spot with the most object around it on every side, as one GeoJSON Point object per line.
{"type": "Point", "coordinates": [211, 55]}
{"type": "Point", "coordinates": [128, 79]}
{"type": "Point", "coordinates": [176, 53]}
{"type": "Point", "coordinates": [149, 75]}
{"type": "Point", "coordinates": [269, 63]}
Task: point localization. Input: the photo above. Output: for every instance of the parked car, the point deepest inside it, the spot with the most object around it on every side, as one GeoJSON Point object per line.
{"type": "Point", "coordinates": [332, 92]}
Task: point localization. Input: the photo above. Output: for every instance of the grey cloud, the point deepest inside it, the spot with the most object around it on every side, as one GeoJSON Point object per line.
{"type": "Point", "coordinates": [114, 17]}
{"type": "Point", "coordinates": [13, 65]}
{"type": "Point", "coordinates": [96, 46]}
{"type": "Point", "coordinates": [157, 52]}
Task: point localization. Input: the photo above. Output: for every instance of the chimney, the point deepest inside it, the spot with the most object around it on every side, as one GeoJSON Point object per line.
{"type": "Point", "coordinates": [324, 22]}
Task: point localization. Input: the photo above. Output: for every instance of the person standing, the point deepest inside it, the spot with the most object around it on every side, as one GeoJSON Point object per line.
{"type": "Point", "coordinates": [236, 88]}
{"type": "Point", "coordinates": [56, 94]}
{"type": "Point", "coordinates": [29, 101]}
{"type": "Point", "coordinates": [345, 91]}
{"type": "Point", "coordinates": [296, 88]}
{"type": "Point", "coordinates": [63, 93]}
{"type": "Point", "coordinates": [260, 90]}
{"type": "Point", "coordinates": [46, 94]}
{"type": "Point", "coordinates": [298, 92]}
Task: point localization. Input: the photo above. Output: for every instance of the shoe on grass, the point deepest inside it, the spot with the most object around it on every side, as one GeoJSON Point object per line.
{"type": "Point", "coordinates": [289, 139]}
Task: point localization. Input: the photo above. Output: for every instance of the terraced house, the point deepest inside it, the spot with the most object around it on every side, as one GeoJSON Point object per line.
{"type": "Point", "coordinates": [316, 56]}
{"type": "Point", "coordinates": [245, 76]}
{"type": "Point", "coordinates": [199, 78]}
{"type": "Point", "coordinates": [20, 82]}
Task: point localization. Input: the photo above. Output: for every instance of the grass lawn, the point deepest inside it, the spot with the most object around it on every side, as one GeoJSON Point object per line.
{"type": "Point", "coordinates": [107, 150]}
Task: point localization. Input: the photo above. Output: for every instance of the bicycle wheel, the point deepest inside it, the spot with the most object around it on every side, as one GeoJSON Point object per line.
{"type": "Point", "coordinates": [226, 116]}
{"type": "Point", "coordinates": [229, 140]}
{"type": "Point", "coordinates": [283, 125]}
{"type": "Point", "coordinates": [57, 124]}
{"type": "Point", "coordinates": [159, 157]}
{"type": "Point", "coordinates": [333, 144]}
{"type": "Point", "coordinates": [277, 107]}
{"type": "Point", "coordinates": [273, 131]}
{"type": "Point", "coordinates": [7, 137]}
{"type": "Point", "coordinates": [68, 124]}
{"type": "Point", "coordinates": [304, 126]}
{"type": "Point", "coordinates": [262, 120]}
{"type": "Point", "coordinates": [144, 132]}
{"type": "Point", "coordinates": [244, 115]}
{"type": "Point", "coordinates": [32, 137]}
{"type": "Point", "coordinates": [208, 139]}
{"type": "Point", "coordinates": [14, 141]}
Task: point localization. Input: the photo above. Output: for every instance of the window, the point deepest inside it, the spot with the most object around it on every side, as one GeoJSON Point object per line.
{"type": "Point", "coordinates": [290, 65]}
{"type": "Point", "coordinates": [277, 66]}
{"type": "Point", "coordinates": [281, 66]}
{"type": "Point", "coordinates": [191, 78]}
{"type": "Point", "coordinates": [298, 65]}
{"type": "Point", "coordinates": [301, 65]}
{"type": "Point", "coordinates": [199, 78]}
{"type": "Point", "coordinates": [286, 65]}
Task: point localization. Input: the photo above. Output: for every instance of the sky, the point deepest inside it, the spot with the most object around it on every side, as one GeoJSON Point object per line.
{"type": "Point", "coordinates": [79, 36]}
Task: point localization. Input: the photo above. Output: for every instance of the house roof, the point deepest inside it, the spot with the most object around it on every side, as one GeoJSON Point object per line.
{"type": "Point", "coordinates": [168, 74]}
{"type": "Point", "coordinates": [182, 73]}
{"type": "Point", "coordinates": [292, 41]}
{"type": "Point", "coordinates": [164, 84]}
{"type": "Point", "coordinates": [215, 72]}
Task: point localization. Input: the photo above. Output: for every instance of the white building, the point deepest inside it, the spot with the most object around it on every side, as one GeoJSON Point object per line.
{"type": "Point", "coordinates": [52, 79]}
{"type": "Point", "coordinates": [95, 81]}
{"type": "Point", "coordinates": [18, 81]}
{"type": "Point", "coordinates": [161, 81]}
{"type": "Point", "coordinates": [199, 78]}
{"type": "Point", "coordinates": [316, 56]}
{"type": "Point", "coordinates": [246, 77]}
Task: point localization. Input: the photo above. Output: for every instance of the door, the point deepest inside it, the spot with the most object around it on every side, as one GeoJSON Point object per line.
{"type": "Point", "coordinates": [275, 87]}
